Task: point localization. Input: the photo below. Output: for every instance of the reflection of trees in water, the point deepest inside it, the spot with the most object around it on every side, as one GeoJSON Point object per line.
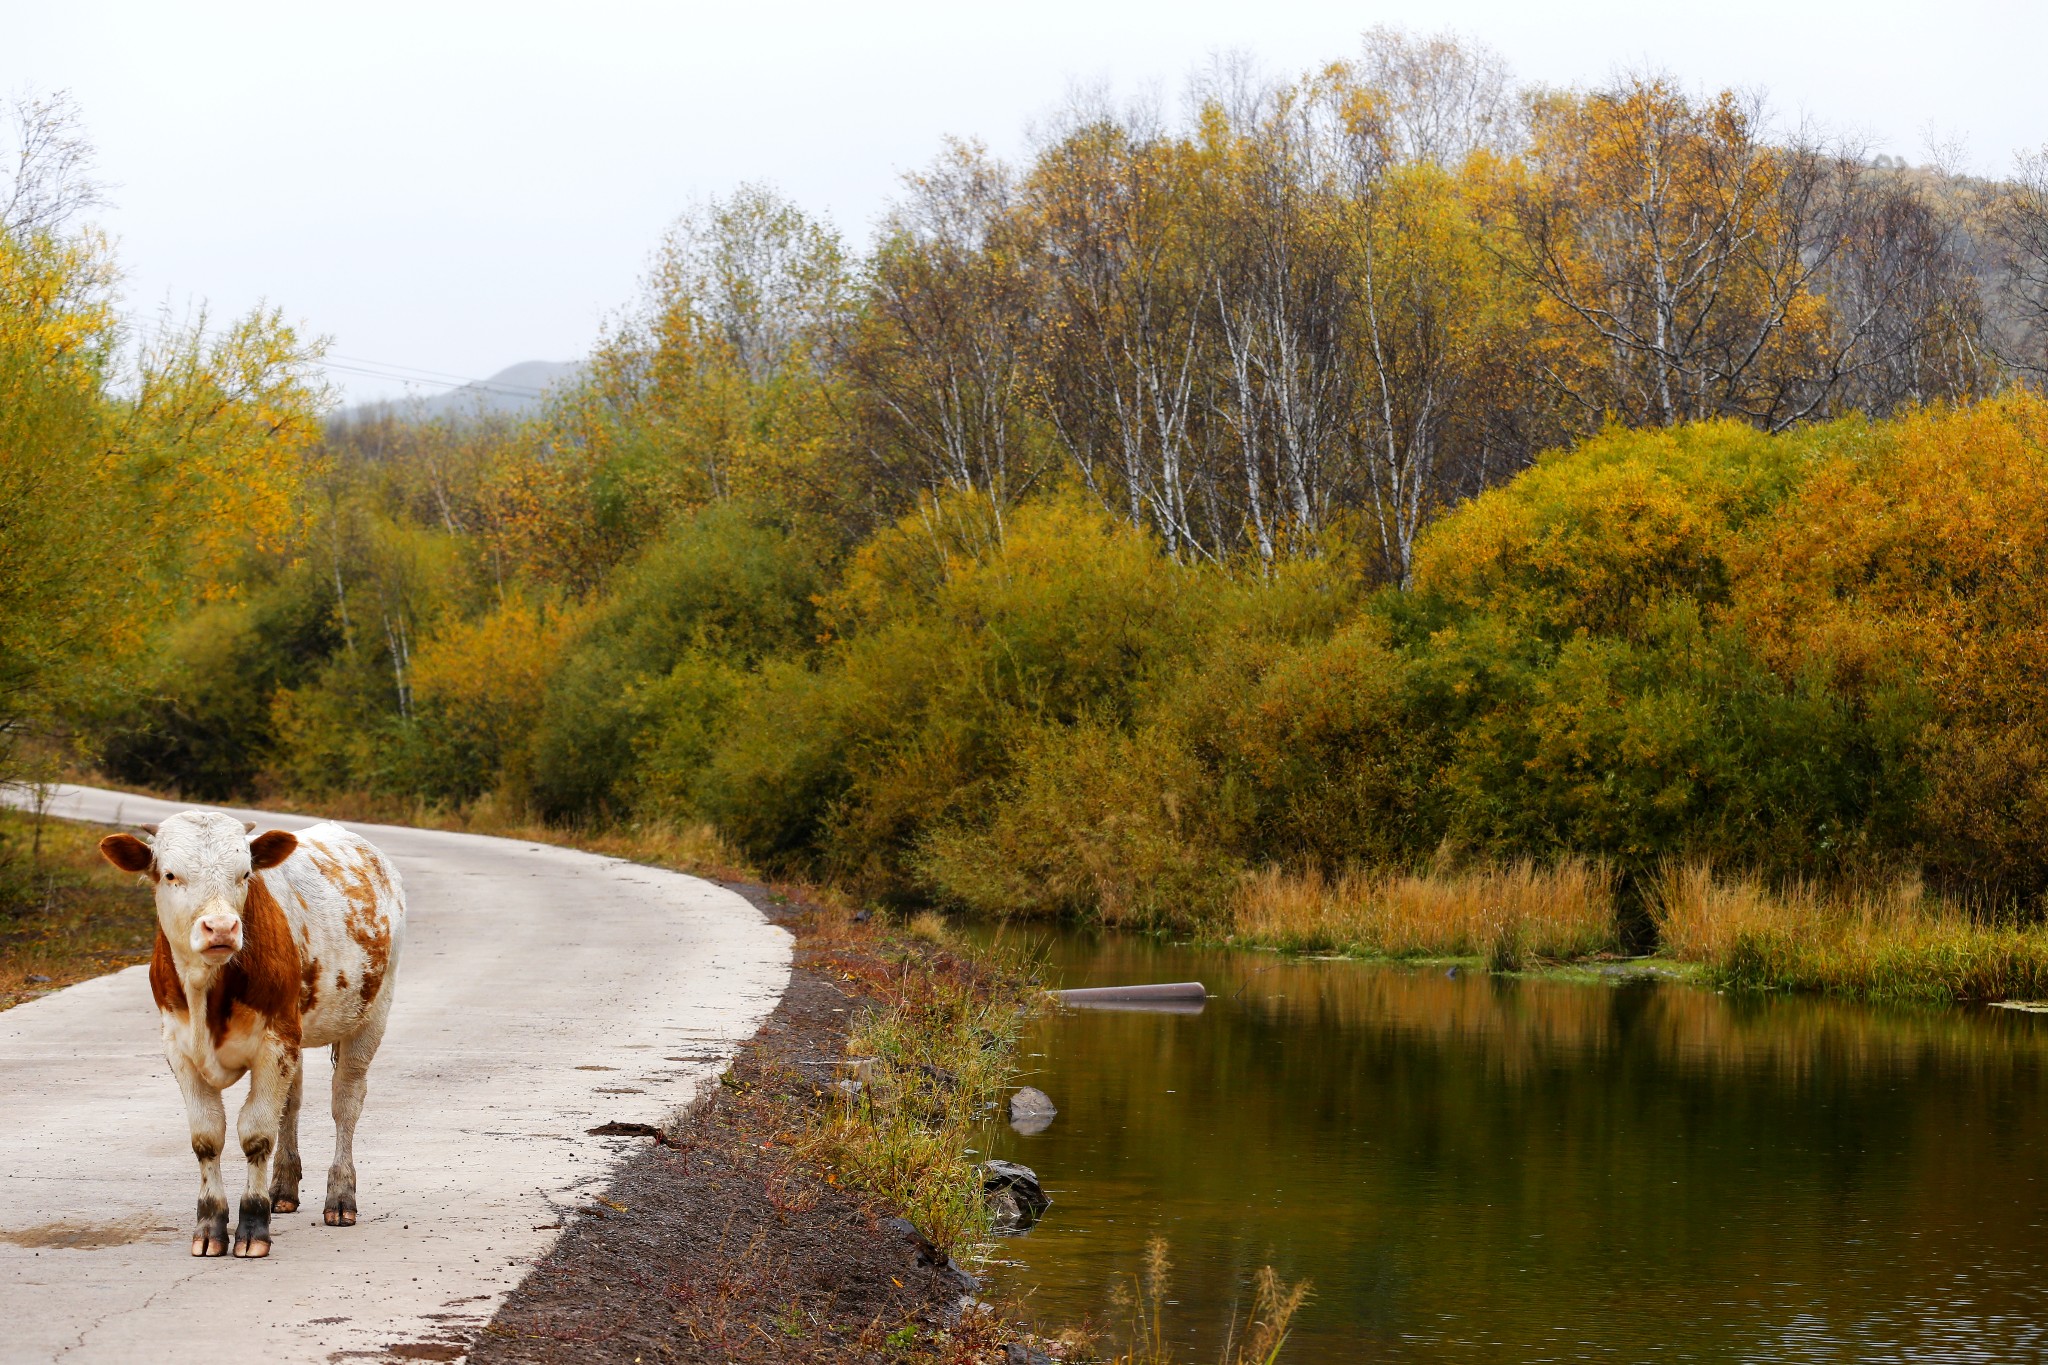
{"type": "Point", "coordinates": [1646, 1169]}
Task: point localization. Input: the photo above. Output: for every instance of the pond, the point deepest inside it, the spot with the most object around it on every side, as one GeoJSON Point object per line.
{"type": "Point", "coordinates": [1471, 1168]}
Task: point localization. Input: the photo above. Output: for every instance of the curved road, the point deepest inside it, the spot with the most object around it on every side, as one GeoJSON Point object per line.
{"type": "Point", "coordinates": [542, 992]}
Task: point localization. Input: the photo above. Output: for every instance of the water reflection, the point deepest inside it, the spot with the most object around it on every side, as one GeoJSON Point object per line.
{"type": "Point", "coordinates": [1477, 1169]}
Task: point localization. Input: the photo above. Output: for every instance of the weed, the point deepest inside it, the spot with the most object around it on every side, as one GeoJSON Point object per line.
{"type": "Point", "coordinates": [1144, 1300]}
{"type": "Point", "coordinates": [1508, 914]}
{"type": "Point", "coordinates": [941, 1044]}
{"type": "Point", "coordinates": [1889, 941]}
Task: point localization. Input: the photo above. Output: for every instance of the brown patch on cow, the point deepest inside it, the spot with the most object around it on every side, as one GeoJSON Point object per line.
{"type": "Point", "coordinates": [263, 978]}
{"type": "Point", "coordinates": [205, 1148]}
{"type": "Point", "coordinates": [309, 985]}
{"type": "Point", "coordinates": [164, 986]}
{"type": "Point", "coordinates": [127, 852]}
{"type": "Point", "coordinates": [256, 1149]}
{"type": "Point", "coordinates": [341, 981]}
{"type": "Point", "coordinates": [270, 848]}
{"type": "Point", "coordinates": [368, 921]}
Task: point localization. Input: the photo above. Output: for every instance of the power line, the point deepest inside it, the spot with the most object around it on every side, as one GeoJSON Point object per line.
{"type": "Point", "coordinates": [478, 385]}
{"type": "Point", "coordinates": [436, 376]}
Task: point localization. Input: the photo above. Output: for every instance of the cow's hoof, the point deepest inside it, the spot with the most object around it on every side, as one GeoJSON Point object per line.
{"type": "Point", "coordinates": [252, 1229]}
{"type": "Point", "coordinates": [280, 1204]}
{"type": "Point", "coordinates": [341, 1210]}
{"type": "Point", "coordinates": [210, 1237]}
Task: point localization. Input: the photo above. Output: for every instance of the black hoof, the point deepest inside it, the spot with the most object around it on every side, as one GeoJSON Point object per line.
{"type": "Point", "coordinates": [252, 1230]}
{"type": "Point", "coordinates": [210, 1237]}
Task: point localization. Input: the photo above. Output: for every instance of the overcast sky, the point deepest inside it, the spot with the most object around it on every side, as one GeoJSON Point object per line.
{"type": "Point", "coordinates": [453, 189]}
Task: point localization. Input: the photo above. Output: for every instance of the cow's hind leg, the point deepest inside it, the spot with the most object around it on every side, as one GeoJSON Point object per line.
{"type": "Point", "coordinates": [285, 1170]}
{"type": "Point", "coordinates": [270, 1087]}
{"type": "Point", "coordinates": [208, 1119]}
{"type": "Point", "coordinates": [351, 1082]}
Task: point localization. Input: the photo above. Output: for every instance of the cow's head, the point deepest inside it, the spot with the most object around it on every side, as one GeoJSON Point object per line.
{"type": "Point", "coordinates": [201, 863]}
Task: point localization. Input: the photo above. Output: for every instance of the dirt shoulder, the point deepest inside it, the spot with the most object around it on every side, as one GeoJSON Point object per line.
{"type": "Point", "coordinates": [734, 1236]}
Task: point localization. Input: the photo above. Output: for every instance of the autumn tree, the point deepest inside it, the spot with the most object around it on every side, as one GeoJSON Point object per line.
{"type": "Point", "coordinates": [940, 356]}
{"type": "Point", "coordinates": [1681, 255]}
{"type": "Point", "coordinates": [133, 478]}
{"type": "Point", "coordinates": [716, 383]}
{"type": "Point", "coordinates": [1120, 346]}
{"type": "Point", "coordinates": [2021, 229]}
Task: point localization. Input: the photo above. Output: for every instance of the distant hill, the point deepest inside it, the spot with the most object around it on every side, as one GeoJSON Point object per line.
{"type": "Point", "coordinates": [512, 392]}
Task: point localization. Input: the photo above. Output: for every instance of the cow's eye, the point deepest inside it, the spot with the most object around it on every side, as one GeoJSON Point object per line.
{"type": "Point", "coordinates": [171, 877]}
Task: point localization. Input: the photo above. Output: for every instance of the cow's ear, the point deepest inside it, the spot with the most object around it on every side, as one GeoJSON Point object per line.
{"type": "Point", "coordinates": [127, 852]}
{"type": "Point", "coordinates": [271, 848]}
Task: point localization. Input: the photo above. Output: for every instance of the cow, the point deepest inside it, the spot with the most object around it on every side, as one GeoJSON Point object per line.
{"type": "Point", "coordinates": [266, 944]}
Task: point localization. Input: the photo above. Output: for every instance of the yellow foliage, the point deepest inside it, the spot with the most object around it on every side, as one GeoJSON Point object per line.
{"type": "Point", "coordinates": [498, 663]}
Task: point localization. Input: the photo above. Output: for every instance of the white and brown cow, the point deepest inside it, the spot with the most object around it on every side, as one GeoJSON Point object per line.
{"type": "Point", "coordinates": [266, 945]}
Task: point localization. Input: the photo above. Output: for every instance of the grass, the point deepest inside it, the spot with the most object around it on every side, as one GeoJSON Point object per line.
{"type": "Point", "coordinates": [65, 915]}
{"type": "Point", "coordinates": [1510, 914]}
{"type": "Point", "coordinates": [1890, 941]}
{"type": "Point", "coordinates": [1145, 1298]}
{"type": "Point", "coordinates": [933, 1055]}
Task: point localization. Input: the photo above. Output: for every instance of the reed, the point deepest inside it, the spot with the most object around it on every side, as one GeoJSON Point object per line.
{"type": "Point", "coordinates": [1256, 1341]}
{"type": "Point", "coordinates": [1510, 913]}
{"type": "Point", "coordinates": [1888, 941]}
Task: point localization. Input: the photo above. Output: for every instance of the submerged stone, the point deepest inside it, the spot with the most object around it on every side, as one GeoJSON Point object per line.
{"type": "Point", "coordinates": [1015, 1197]}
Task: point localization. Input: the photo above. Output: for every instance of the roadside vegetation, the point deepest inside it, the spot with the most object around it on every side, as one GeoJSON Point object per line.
{"type": "Point", "coordinates": [63, 919]}
{"type": "Point", "coordinates": [1310, 523]}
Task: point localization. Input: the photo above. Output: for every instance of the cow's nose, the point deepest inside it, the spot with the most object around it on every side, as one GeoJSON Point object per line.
{"type": "Point", "coordinates": [220, 930]}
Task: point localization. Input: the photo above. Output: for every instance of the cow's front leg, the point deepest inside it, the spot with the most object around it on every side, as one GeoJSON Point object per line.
{"type": "Point", "coordinates": [208, 1119]}
{"type": "Point", "coordinates": [270, 1086]}
{"type": "Point", "coordinates": [285, 1169]}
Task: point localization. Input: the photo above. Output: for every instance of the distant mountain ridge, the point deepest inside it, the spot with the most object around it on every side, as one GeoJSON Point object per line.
{"type": "Point", "coordinates": [513, 391]}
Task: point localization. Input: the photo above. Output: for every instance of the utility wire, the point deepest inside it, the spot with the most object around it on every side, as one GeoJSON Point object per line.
{"type": "Point", "coordinates": [479, 385]}
{"type": "Point", "coordinates": [440, 376]}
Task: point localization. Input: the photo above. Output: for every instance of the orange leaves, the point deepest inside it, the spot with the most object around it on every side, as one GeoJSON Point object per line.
{"type": "Point", "coordinates": [1682, 257]}
{"type": "Point", "coordinates": [1931, 546]}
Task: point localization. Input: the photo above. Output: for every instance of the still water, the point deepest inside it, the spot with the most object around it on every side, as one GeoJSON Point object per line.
{"type": "Point", "coordinates": [1478, 1169]}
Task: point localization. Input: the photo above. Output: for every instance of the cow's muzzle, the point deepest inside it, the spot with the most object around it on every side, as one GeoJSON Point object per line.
{"type": "Point", "coordinates": [218, 937]}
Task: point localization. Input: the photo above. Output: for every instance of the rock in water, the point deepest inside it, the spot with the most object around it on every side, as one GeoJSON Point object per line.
{"type": "Point", "coordinates": [1031, 1110]}
{"type": "Point", "coordinates": [1014, 1196]}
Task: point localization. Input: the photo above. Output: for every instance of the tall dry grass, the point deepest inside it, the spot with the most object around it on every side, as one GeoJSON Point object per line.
{"type": "Point", "coordinates": [1888, 941]}
{"type": "Point", "coordinates": [1511, 913]}
{"type": "Point", "coordinates": [1257, 1341]}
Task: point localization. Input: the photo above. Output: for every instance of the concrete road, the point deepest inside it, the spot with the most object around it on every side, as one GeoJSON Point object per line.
{"type": "Point", "coordinates": [542, 992]}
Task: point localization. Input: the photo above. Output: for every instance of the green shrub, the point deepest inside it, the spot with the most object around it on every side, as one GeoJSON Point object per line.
{"type": "Point", "coordinates": [200, 720]}
{"type": "Point", "coordinates": [719, 583]}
